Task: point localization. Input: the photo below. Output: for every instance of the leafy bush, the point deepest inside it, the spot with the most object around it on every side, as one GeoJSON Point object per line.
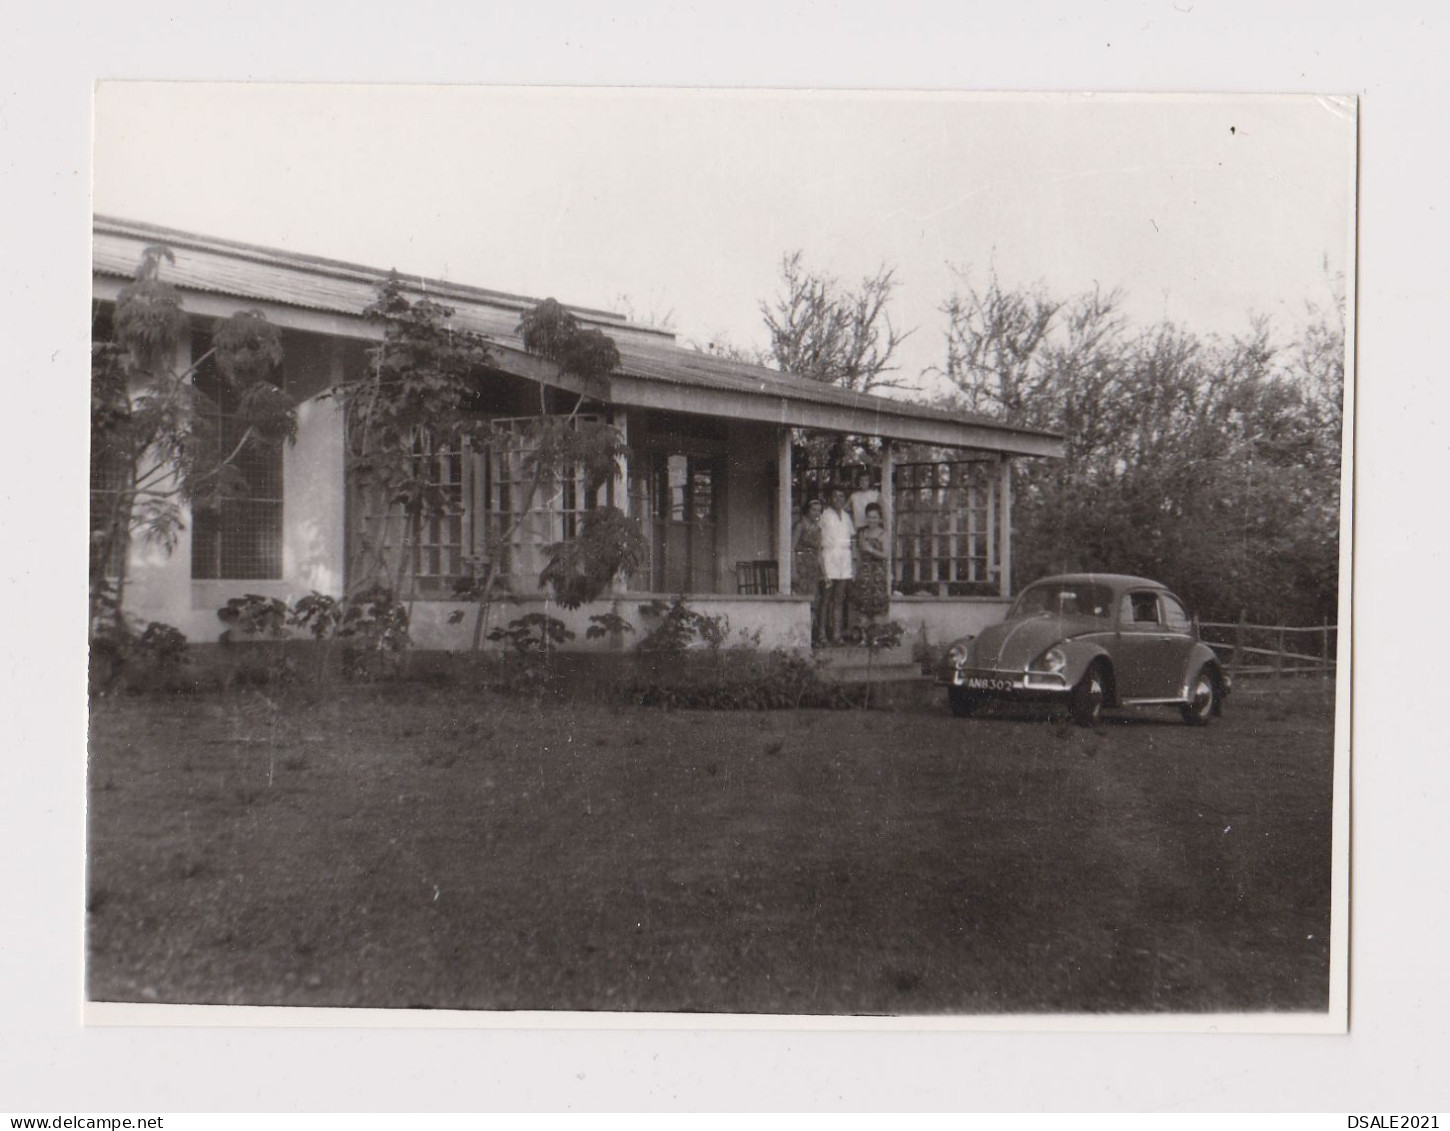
{"type": "Point", "coordinates": [375, 626]}
{"type": "Point", "coordinates": [319, 614]}
{"type": "Point", "coordinates": [253, 617]}
{"type": "Point", "coordinates": [120, 653]}
{"type": "Point", "coordinates": [607, 624]}
{"type": "Point", "coordinates": [533, 635]}
{"type": "Point", "coordinates": [736, 679]}
{"type": "Point", "coordinates": [680, 627]}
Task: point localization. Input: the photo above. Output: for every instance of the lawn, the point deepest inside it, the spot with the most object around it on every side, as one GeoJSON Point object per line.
{"type": "Point", "coordinates": [421, 846]}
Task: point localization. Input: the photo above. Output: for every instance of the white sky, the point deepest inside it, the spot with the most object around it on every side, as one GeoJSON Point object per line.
{"type": "Point", "coordinates": [679, 205]}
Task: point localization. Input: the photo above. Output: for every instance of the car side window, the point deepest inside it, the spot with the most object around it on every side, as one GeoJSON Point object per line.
{"type": "Point", "coordinates": [1174, 615]}
{"type": "Point", "coordinates": [1142, 608]}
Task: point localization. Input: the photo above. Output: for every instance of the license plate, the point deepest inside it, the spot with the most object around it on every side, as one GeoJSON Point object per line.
{"type": "Point", "coordinates": [986, 683]}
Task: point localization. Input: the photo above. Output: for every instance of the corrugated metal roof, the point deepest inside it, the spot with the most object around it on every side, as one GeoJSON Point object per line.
{"type": "Point", "coordinates": [245, 271]}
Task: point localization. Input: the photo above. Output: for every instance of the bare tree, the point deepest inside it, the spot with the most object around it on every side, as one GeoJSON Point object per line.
{"type": "Point", "coordinates": [993, 337]}
{"type": "Point", "coordinates": [1205, 461]}
{"type": "Point", "coordinates": [834, 334]}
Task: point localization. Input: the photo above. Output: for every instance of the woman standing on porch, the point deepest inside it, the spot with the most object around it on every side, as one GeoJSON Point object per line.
{"type": "Point", "coordinates": [805, 569]}
{"type": "Point", "coordinates": [871, 592]}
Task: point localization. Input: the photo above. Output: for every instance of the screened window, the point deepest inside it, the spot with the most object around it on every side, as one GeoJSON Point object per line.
{"type": "Point", "coordinates": [236, 532]}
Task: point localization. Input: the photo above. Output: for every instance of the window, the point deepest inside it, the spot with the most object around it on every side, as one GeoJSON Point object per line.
{"type": "Point", "coordinates": [682, 509]}
{"type": "Point", "coordinates": [1058, 598]}
{"type": "Point", "coordinates": [944, 514]}
{"type": "Point", "coordinates": [237, 533]}
{"type": "Point", "coordinates": [483, 492]}
{"type": "Point", "coordinates": [1174, 615]}
{"type": "Point", "coordinates": [1140, 608]}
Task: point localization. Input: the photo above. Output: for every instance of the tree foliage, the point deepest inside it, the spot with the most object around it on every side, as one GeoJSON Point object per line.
{"type": "Point", "coordinates": [155, 448]}
{"type": "Point", "coordinates": [413, 404]}
{"type": "Point", "coordinates": [1208, 463]}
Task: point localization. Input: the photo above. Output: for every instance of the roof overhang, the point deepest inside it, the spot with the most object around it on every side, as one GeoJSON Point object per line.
{"type": "Point", "coordinates": [654, 372]}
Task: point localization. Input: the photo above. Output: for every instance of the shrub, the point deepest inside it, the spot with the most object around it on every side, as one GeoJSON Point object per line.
{"type": "Point", "coordinates": [375, 627]}
{"type": "Point", "coordinates": [681, 626]}
{"type": "Point", "coordinates": [253, 617]}
{"type": "Point", "coordinates": [736, 679]}
{"type": "Point", "coordinates": [120, 654]}
{"type": "Point", "coordinates": [533, 635]}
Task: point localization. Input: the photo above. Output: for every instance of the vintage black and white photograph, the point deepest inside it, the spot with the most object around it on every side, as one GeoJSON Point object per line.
{"type": "Point", "coordinates": [808, 556]}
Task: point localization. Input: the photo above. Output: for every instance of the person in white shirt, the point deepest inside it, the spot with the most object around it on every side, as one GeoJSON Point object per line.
{"type": "Point", "coordinates": [838, 533]}
{"type": "Point", "coordinates": [862, 496]}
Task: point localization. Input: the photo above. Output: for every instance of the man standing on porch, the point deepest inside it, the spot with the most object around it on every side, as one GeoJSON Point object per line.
{"type": "Point", "coordinates": [837, 534]}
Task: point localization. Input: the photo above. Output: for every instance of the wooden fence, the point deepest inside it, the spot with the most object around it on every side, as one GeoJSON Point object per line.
{"type": "Point", "coordinates": [1274, 651]}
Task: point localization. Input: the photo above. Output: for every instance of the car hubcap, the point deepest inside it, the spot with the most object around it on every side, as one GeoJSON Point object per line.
{"type": "Point", "coordinates": [1095, 696]}
{"type": "Point", "coordinates": [1202, 697]}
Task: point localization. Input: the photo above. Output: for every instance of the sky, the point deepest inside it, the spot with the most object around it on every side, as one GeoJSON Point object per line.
{"type": "Point", "coordinates": [676, 207]}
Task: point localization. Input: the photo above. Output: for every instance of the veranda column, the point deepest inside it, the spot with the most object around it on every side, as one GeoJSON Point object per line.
{"type": "Point", "coordinates": [619, 487]}
{"type": "Point", "coordinates": [784, 515]}
{"type": "Point", "coordinates": [888, 511]}
{"type": "Point", "coordinates": [1004, 518]}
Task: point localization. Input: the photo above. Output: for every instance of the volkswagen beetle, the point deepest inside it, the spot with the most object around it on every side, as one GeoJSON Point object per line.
{"type": "Point", "coordinates": [1089, 641]}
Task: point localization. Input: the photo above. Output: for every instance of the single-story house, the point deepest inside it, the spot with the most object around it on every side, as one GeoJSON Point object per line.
{"type": "Point", "coordinates": [710, 478]}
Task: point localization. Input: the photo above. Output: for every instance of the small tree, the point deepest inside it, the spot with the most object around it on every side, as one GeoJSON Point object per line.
{"type": "Point", "coordinates": [412, 408]}
{"type": "Point", "coordinates": [401, 415]}
{"type": "Point", "coordinates": [155, 448]}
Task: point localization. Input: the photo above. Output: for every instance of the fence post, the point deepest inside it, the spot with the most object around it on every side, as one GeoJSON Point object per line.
{"type": "Point", "coordinates": [1279, 655]}
{"type": "Point", "coordinates": [1239, 632]}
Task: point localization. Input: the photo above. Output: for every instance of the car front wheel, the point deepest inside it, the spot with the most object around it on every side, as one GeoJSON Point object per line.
{"type": "Point", "coordinates": [1202, 694]}
{"type": "Point", "coordinates": [962, 702]}
{"type": "Point", "coordinates": [1089, 696]}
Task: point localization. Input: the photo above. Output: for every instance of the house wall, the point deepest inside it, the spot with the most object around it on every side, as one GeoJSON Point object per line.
{"type": "Point", "coordinates": [937, 621]}
{"type": "Point", "coordinates": [160, 586]}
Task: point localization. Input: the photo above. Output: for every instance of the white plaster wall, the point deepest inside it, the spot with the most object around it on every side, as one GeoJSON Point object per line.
{"type": "Point", "coordinates": [315, 501]}
{"type": "Point", "coordinates": [160, 587]}
{"type": "Point", "coordinates": [938, 621]}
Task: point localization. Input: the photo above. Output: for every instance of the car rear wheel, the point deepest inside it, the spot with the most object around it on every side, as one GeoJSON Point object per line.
{"type": "Point", "coordinates": [1202, 697]}
{"type": "Point", "coordinates": [1089, 696]}
{"type": "Point", "coordinates": [962, 702]}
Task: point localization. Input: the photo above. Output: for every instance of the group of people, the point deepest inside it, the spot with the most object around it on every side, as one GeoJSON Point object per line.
{"type": "Point", "coordinates": [841, 560]}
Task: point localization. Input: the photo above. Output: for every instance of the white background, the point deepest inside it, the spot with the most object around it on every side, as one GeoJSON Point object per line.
{"type": "Point", "coordinates": [1391, 54]}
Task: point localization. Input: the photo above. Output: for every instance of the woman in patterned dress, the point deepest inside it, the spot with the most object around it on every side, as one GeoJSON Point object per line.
{"type": "Point", "coordinates": [871, 591]}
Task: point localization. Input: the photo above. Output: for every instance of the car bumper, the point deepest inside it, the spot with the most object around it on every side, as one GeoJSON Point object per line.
{"type": "Point", "coordinates": [1005, 684]}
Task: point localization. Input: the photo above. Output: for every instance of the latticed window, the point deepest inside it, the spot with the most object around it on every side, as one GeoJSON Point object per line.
{"type": "Point", "coordinates": [237, 536]}
{"type": "Point", "coordinates": [945, 521]}
{"type": "Point", "coordinates": [503, 485]}
{"type": "Point", "coordinates": [486, 513]}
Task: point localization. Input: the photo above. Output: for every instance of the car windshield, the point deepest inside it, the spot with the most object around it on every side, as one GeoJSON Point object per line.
{"type": "Point", "coordinates": [1062, 598]}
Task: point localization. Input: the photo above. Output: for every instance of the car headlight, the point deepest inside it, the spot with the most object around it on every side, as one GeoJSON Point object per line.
{"type": "Point", "coordinates": [1053, 660]}
{"type": "Point", "coordinates": [957, 654]}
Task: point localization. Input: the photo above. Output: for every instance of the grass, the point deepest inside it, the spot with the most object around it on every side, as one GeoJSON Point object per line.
{"type": "Point", "coordinates": [424, 847]}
